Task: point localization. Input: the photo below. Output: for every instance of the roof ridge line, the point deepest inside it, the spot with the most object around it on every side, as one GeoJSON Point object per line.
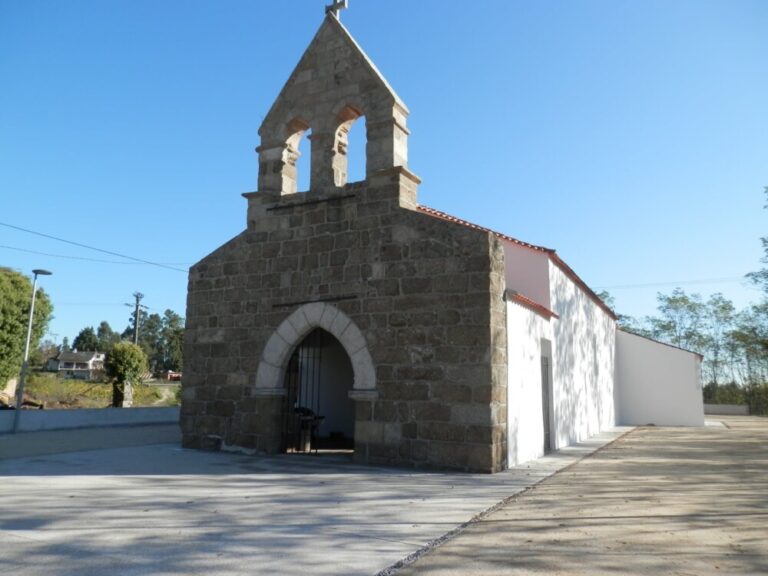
{"type": "Point", "coordinates": [451, 218]}
{"type": "Point", "coordinates": [551, 253]}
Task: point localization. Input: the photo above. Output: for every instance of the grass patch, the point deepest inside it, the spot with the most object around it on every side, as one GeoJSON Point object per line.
{"type": "Point", "coordinates": [54, 392]}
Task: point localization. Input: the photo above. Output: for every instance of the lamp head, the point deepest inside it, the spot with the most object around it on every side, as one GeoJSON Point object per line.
{"type": "Point", "coordinates": [40, 272]}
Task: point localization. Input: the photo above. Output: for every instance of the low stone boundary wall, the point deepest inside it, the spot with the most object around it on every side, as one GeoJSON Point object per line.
{"type": "Point", "coordinates": [36, 420]}
{"type": "Point", "coordinates": [727, 409]}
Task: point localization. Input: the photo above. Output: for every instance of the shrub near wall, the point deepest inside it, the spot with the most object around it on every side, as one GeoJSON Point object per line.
{"type": "Point", "coordinates": [58, 393]}
{"type": "Point", "coordinates": [753, 395]}
{"type": "Point", "coordinates": [757, 398]}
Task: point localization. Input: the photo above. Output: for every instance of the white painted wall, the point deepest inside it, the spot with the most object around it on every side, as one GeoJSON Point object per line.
{"type": "Point", "coordinates": [527, 272]}
{"type": "Point", "coordinates": [584, 341]}
{"type": "Point", "coordinates": [525, 422]}
{"type": "Point", "coordinates": [657, 384]}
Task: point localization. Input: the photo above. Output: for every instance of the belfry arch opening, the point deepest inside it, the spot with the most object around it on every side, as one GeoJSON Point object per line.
{"type": "Point", "coordinates": [301, 145]}
{"type": "Point", "coordinates": [319, 415]}
{"type": "Point", "coordinates": [350, 147]}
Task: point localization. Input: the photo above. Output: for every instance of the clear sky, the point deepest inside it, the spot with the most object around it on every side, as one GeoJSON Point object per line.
{"type": "Point", "coordinates": [632, 136]}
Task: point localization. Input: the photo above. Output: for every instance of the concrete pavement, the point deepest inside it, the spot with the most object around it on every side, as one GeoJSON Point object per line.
{"type": "Point", "coordinates": [163, 510]}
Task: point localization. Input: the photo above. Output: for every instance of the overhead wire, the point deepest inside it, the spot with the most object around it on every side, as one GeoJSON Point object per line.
{"type": "Point", "coordinates": [85, 258]}
{"type": "Point", "coordinates": [111, 253]}
{"type": "Point", "coordinates": [671, 283]}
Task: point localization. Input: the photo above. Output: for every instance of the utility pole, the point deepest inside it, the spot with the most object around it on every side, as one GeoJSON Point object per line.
{"type": "Point", "coordinates": [137, 318]}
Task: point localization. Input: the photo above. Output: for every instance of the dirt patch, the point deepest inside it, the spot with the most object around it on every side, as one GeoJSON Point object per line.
{"type": "Point", "coordinates": [684, 501]}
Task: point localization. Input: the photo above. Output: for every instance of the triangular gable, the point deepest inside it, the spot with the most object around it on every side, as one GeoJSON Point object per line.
{"type": "Point", "coordinates": [332, 59]}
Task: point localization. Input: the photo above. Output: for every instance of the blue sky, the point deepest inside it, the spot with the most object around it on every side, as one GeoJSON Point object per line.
{"type": "Point", "coordinates": [632, 136]}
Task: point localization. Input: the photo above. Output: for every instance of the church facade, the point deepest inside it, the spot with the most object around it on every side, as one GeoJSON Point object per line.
{"type": "Point", "coordinates": [351, 317]}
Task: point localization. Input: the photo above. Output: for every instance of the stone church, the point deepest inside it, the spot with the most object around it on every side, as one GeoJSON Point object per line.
{"type": "Point", "coordinates": [350, 317]}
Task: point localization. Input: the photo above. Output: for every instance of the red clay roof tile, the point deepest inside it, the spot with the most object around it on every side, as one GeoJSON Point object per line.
{"type": "Point", "coordinates": [549, 251]}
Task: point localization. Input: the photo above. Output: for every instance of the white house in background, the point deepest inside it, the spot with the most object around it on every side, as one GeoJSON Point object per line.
{"type": "Point", "coordinates": [77, 365]}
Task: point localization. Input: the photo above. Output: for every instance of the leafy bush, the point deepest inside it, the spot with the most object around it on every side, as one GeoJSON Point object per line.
{"type": "Point", "coordinates": [125, 364]}
{"type": "Point", "coordinates": [755, 395]}
{"type": "Point", "coordinates": [724, 394]}
{"type": "Point", "coordinates": [757, 398]}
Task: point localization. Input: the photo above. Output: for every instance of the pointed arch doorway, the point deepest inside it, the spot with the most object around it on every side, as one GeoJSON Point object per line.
{"type": "Point", "coordinates": [273, 370]}
{"type": "Point", "coordinates": [319, 415]}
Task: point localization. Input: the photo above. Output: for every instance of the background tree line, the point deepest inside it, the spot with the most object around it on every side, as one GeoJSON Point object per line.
{"type": "Point", "coordinates": [15, 298]}
{"type": "Point", "coordinates": [160, 337]}
{"type": "Point", "coordinates": [734, 342]}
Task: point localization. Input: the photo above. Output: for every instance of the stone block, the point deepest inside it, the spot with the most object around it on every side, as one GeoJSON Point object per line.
{"type": "Point", "coordinates": [369, 432]}
{"type": "Point", "coordinates": [363, 411]}
{"type": "Point", "coordinates": [481, 458]}
{"type": "Point", "coordinates": [419, 450]}
{"type": "Point", "coordinates": [451, 393]}
{"type": "Point", "coordinates": [314, 312]}
{"type": "Point", "coordinates": [450, 455]}
{"type": "Point", "coordinates": [229, 393]}
{"type": "Point", "coordinates": [405, 391]}
{"type": "Point", "coordinates": [416, 285]}
{"type": "Point", "coordinates": [472, 414]}
{"type": "Point", "coordinates": [430, 411]}
{"type": "Point", "coordinates": [444, 431]}
{"type": "Point", "coordinates": [275, 350]}
{"type": "Point", "coordinates": [385, 411]}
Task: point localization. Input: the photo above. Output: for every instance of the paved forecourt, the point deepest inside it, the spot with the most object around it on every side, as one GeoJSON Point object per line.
{"type": "Point", "coordinates": [164, 510]}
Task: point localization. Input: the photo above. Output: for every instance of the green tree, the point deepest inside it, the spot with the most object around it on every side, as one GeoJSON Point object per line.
{"type": "Point", "coordinates": [161, 338]}
{"type": "Point", "coordinates": [681, 321]}
{"type": "Point", "coordinates": [106, 336]}
{"type": "Point", "coordinates": [130, 329]}
{"type": "Point", "coordinates": [625, 322]}
{"type": "Point", "coordinates": [151, 340]}
{"type": "Point", "coordinates": [760, 278]}
{"type": "Point", "coordinates": [86, 340]}
{"type": "Point", "coordinates": [44, 352]}
{"type": "Point", "coordinates": [717, 324]}
{"type": "Point", "coordinates": [749, 344]}
{"type": "Point", "coordinates": [172, 334]}
{"type": "Point", "coordinates": [15, 299]}
{"type": "Point", "coordinates": [125, 364]}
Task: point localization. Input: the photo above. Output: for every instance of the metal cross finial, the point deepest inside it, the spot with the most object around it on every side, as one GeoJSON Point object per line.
{"type": "Point", "coordinates": [336, 6]}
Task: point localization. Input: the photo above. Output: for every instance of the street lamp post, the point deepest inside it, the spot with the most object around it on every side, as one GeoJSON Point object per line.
{"type": "Point", "coordinates": [20, 387]}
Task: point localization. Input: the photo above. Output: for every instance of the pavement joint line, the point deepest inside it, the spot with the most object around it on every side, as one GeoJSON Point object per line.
{"type": "Point", "coordinates": [393, 569]}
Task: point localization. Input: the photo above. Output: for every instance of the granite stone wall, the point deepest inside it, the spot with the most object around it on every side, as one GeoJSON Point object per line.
{"type": "Point", "coordinates": [419, 298]}
{"type": "Point", "coordinates": [426, 295]}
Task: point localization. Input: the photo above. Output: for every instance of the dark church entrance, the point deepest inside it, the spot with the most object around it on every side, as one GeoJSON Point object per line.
{"type": "Point", "coordinates": [319, 414]}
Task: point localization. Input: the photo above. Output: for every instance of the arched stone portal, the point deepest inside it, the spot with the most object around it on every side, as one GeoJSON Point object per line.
{"type": "Point", "coordinates": [280, 346]}
{"type": "Point", "coordinates": [275, 358]}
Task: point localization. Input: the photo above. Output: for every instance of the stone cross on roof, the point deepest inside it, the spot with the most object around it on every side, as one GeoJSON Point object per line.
{"type": "Point", "coordinates": [336, 6]}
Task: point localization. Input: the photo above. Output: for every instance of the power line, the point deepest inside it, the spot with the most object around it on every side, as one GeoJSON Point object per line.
{"type": "Point", "coordinates": [92, 247]}
{"type": "Point", "coordinates": [84, 257]}
{"type": "Point", "coordinates": [103, 304]}
{"type": "Point", "coordinates": [676, 283]}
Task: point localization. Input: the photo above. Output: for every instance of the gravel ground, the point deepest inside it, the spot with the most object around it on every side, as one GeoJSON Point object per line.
{"type": "Point", "coordinates": [683, 501]}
